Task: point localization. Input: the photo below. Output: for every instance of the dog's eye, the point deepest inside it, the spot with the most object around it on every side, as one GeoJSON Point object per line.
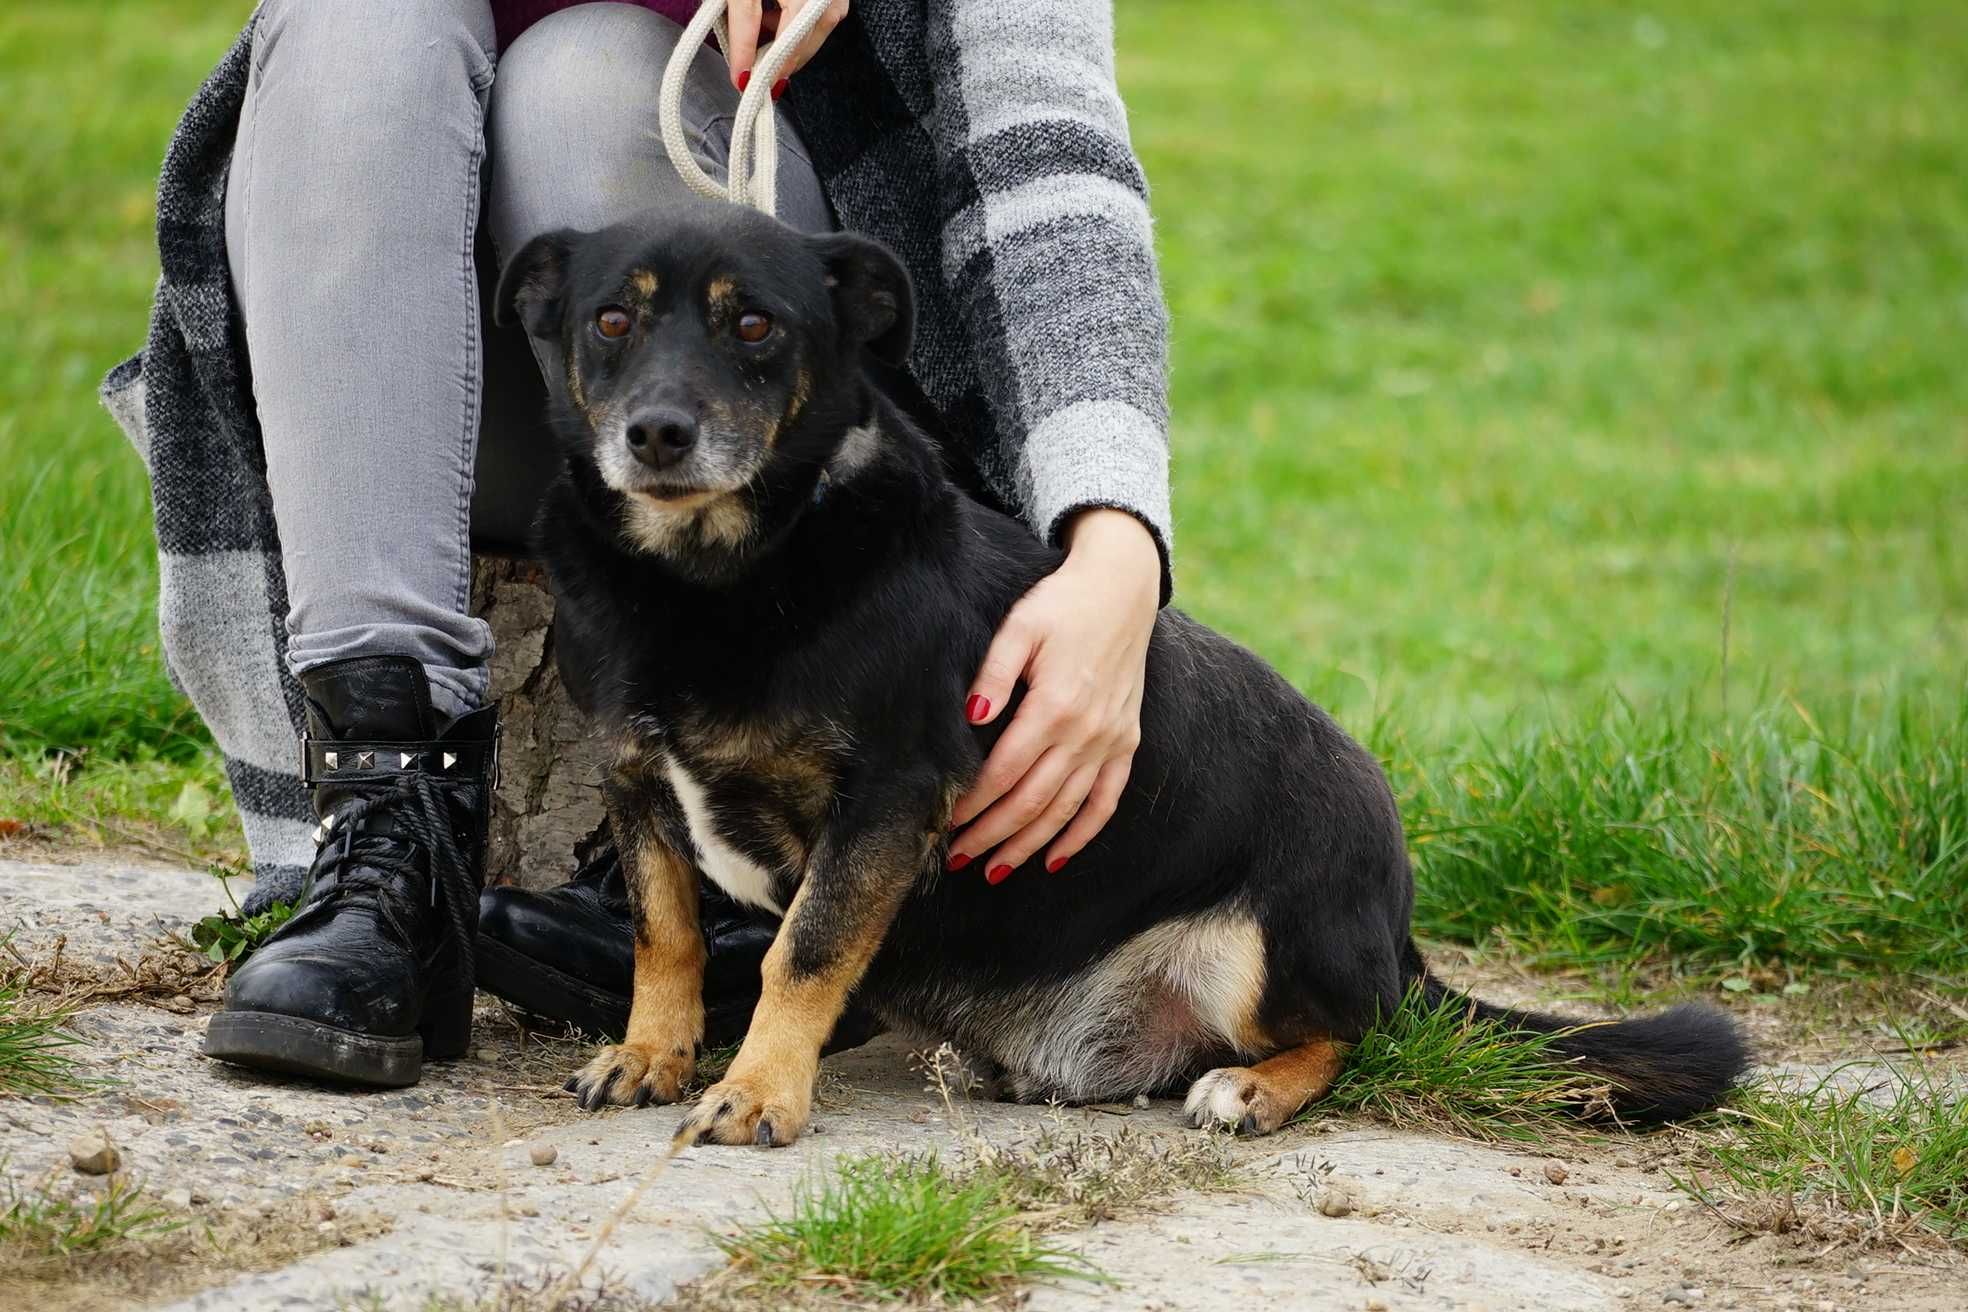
{"type": "Point", "coordinates": [613, 321]}
{"type": "Point", "coordinates": [753, 327]}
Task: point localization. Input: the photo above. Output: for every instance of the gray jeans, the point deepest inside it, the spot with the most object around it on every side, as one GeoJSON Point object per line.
{"type": "Point", "coordinates": [385, 157]}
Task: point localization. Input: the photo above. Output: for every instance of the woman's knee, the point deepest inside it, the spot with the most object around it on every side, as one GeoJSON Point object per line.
{"type": "Point", "coordinates": [585, 65]}
{"type": "Point", "coordinates": [572, 129]}
{"type": "Point", "coordinates": [579, 72]}
{"type": "Point", "coordinates": [389, 49]}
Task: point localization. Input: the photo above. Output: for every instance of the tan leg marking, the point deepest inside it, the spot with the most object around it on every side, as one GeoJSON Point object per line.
{"type": "Point", "coordinates": [1258, 1099]}
{"type": "Point", "coordinates": [658, 1055]}
{"type": "Point", "coordinates": [767, 1096]}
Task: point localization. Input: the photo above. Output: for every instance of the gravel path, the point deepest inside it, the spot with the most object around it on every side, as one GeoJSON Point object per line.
{"type": "Point", "coordinates": [394, 1194]}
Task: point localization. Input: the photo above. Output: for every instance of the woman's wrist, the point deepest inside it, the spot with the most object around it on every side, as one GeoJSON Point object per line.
{"type": "Point", "coordinates": [1114, 549]}
{"type": "Point", "coordinates": [1115, 543]}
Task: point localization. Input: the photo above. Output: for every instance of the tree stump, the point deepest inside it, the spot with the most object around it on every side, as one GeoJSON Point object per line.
{"type": "Point", "coordinates": [549, 793]}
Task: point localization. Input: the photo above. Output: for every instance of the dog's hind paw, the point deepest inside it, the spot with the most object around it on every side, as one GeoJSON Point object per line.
{"type": "Point", "coordinates": [1236, 1098]}
{"type": "Point", "coordinates": [738, 1112]}
{"type": "Point", "coordinates": [633, 1075]}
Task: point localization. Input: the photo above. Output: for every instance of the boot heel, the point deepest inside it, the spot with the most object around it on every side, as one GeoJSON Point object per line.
{"type": "Point", "coordinates": [447, 1023]}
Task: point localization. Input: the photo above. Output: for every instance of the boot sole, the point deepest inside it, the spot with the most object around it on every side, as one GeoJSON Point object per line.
{"type": "Point", "coordinates": [268, 1041]}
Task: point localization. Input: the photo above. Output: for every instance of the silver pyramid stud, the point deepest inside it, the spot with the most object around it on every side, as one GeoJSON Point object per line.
{"type": "Point", "coordinates": [365, 760]}
{"type": "Point", "coordinates": [334, 760]}
{"type": "Point", "coordinates": [450, 759]}
{"type": "Point", "coordinates": [407, 759]}
{"type": "Point", "coordinates": [320, 833]}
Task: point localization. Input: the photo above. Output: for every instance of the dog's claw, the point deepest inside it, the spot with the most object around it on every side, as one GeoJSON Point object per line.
{"type": "Point", "coordinates": [1248, 1125]}
{"type": "Point", "coordinates": [763, 1137]}
{"type": "Point", "coordinates": [597, 1097]}
{"type": "Point", "coordinates": [573, 1084]}
{"type": "Point", "coordinates": [643, 1095]}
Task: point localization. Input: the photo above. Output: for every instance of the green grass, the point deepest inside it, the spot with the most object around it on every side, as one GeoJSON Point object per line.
{"type": "Point", "coordinates": [1883, 1151]}
{"type": "Point", "coordinates": [1439, 1068]}
{"type": "Point", "coordinates": [34, 1048]}
{"type": "Point", "coordinates": [1772, 840]}
{"type": "Point", "coordinates": [875, 1227]}
{"type": "Point", "coordinates": [42, 1223]}
{"type": "Point", "coordinates": [1515, 341]}
{"type": "Point", "coordinates": [93, 90]}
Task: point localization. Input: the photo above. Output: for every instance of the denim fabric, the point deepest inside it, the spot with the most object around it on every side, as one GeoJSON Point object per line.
{"type": "Point", "coordinates": [375, 136]}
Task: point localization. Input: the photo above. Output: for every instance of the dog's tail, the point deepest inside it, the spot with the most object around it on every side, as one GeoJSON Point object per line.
{"type": "Point", "coordinates": [1660, 1068]}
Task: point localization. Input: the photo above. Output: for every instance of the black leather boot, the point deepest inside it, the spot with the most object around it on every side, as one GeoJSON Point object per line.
{"type": "Point", "coordinates": [568, 954]}
{"type": "Point", "coordinates": [374, 972]}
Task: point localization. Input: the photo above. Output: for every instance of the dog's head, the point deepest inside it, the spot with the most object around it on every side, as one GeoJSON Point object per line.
{"type": "Point", "coordinates": [710, 361]}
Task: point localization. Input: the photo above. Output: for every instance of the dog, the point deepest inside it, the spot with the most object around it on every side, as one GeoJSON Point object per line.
{"type": "Point", "coordinates": [785, 597]}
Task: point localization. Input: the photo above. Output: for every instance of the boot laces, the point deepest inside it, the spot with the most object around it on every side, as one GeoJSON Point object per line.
{"type": "Point", "coordinates": [366, 860]}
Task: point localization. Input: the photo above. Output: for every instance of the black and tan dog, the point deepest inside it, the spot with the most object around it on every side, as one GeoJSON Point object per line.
{"type": "Point", "coordinates": [786, 600]}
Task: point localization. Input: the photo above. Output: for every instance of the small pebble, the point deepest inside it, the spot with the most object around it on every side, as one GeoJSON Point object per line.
{"type": "Point", "coordinates": [1555, 1172]}
{"type": "Point", "coordinates": [178, 1200]}
{"type": "Point", "coordinates": [1334, 1202]}
{"type": "Point", "coordinates": [488, 1054]}
{"type": "Point", "coordinates": [1141, 1101]}
{"type": "Point", "coordinates": [543, 1154]}
{"type": "Point", "coordinates": [94, 1154]}
{"type": "Point", "coordinates": [1376, 1305]}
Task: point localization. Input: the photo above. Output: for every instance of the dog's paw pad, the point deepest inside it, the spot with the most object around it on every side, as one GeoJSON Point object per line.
{"type": "Point", "coordinates": [632, 1075]}
{"type": "Point", "coordinates": [1234, 1098]}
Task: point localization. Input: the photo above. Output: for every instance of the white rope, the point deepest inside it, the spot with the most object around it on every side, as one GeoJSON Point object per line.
{"type": "Point", "coordinates": [754, 141]}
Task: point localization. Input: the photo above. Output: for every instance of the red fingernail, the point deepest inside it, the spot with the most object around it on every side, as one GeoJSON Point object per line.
{"type": "Point", "coordinates": [743, 78]}
{"type": "Point", "coordinates": [998, 875]}
{"type": "Point", "coordinates": [958, 861]}
{"type": "Point", "coordinates": [977, 708]}
{"type": "Point", "coordinates": [1056, 865]}
{"type": "Point", "coordinates": [779, 87]}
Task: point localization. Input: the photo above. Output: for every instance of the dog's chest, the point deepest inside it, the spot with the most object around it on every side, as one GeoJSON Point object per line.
{"type": "Point", "coordinates": [750, 801]}
{"type": "Point", "coordinates": [717, 851]}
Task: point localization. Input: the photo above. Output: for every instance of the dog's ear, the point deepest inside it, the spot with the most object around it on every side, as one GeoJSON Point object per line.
{"type": "Point", "coordinates": [531, 285]}
{"type": "Point", "coordinates": [873, 299]}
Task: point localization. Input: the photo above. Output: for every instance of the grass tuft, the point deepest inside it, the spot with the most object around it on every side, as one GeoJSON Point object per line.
{"type": "Point", "coordinates": [43, 1225]}
{"type": "Point", "coordinates": [34, 1056]}
{"type": "Point", "coordinates": [1774, 841]}
{"type": "Point", "coordinates": [1867, 1152]}
{"type": "Point", "coordinates": [883, 1228]}
{"type": "Point", "coordinates": [1437, 1067]}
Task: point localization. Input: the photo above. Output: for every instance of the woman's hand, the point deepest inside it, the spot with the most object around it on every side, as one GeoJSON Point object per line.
{"type": "Point", "coordinates": [747, 20]}
{"type": "Point", "coordinates": [1079, 640]}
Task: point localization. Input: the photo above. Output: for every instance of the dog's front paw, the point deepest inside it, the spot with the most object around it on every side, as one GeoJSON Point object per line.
{"type": "Point", "coordinates": [634, 1075]}
{"type": "Point", "coordinates": [1236, 1098]}
{"type": "Point", "coordinates": [742, 1110]}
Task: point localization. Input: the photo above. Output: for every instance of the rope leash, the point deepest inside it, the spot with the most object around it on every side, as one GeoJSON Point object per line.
{"type": "Point", "coordinates": [754, 137]}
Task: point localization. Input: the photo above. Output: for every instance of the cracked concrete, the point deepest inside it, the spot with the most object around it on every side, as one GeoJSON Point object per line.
{"type": "Point", "coordinates": [434, 1189]}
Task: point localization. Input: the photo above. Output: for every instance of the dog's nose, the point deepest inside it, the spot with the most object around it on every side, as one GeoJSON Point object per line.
{"type": "Point", "coordinates": [660, 438]}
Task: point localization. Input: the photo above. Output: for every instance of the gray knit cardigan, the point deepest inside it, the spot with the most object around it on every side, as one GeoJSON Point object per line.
{"type": "Point", "coordinates": [986, 143]}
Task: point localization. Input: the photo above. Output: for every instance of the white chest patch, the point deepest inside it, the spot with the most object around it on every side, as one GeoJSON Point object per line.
{"type": "Point", "coordinates": [727, 867]}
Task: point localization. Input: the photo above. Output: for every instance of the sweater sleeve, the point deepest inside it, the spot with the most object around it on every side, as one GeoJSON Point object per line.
{"type": "Point", "coordinates": [1049, 255]}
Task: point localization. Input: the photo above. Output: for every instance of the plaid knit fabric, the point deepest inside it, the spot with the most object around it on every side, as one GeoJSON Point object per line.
{"type": "Point", "coordinates": [986, 144]}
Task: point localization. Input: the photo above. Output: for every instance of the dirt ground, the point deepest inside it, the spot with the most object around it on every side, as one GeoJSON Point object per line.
{"type": "Point", "coordinates": [299, 1197]}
